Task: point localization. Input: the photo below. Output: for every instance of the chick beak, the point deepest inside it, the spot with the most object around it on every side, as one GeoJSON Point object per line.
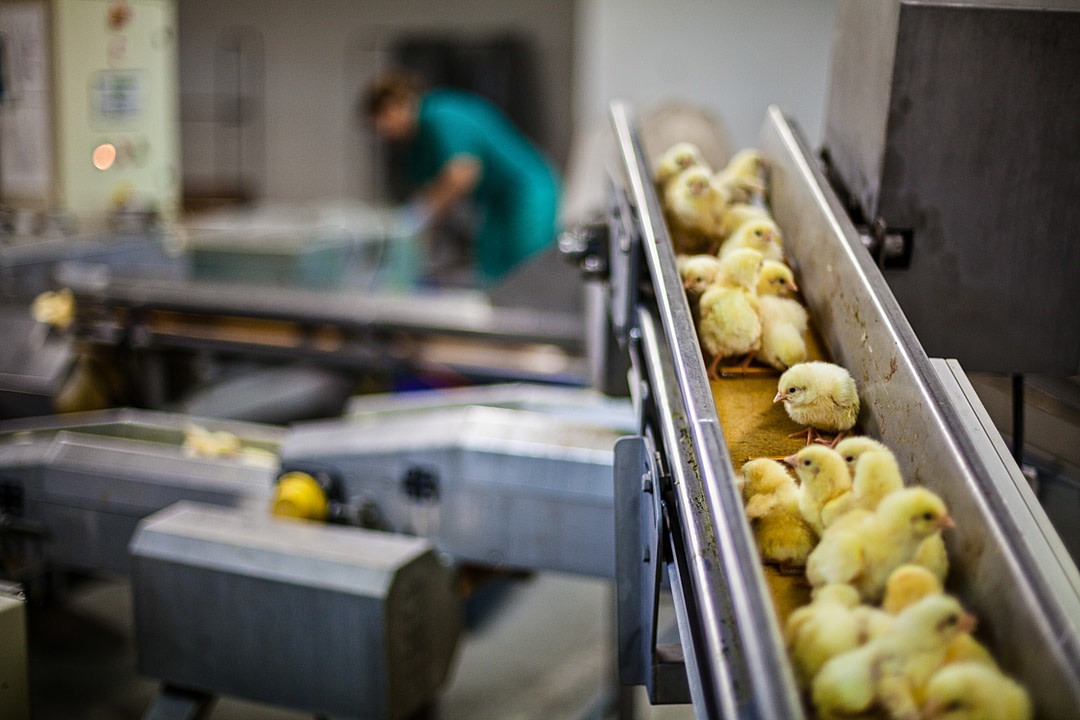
{"type": "Point", "coordinates": [779, 396]}
{"type": "Point", "coordinates": [968, 623]}
{"type": "Point", "coordinates": [792, 460]}
{"type": "Point", "coordinates": [792, 286]}
{"type": "Point", "coordinates": [946, 522]}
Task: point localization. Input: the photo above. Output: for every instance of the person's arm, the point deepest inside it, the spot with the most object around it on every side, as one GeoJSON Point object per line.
{"type": "Point", "coordinates": [457, 178]}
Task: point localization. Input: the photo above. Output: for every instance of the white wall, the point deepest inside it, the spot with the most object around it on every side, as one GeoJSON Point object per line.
{"type": "Point", "coordinates": [321, 53]}
{"type": "Point", "coordinates": [734, 57]}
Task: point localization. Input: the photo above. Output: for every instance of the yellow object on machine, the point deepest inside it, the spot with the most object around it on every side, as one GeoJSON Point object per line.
{"type": "Point", "coordinates": [299, 495]}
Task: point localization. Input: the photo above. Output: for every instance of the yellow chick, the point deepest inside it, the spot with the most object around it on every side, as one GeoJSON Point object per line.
{"type": "Point", "coordinates": [761, 234]}
{"type": "Point", "coordinates": [730, 324]}
{"type": "Point", "coordinates": [909, 584]}
{"type": "Point", "coordinates": [890, 672]}
{"type": "Point", "coordinates": [865, 550]}
{"type": "Point", "coordinates": [680, 156]}
{"type": "Point", "coordinates": [876, 475]}
{"type": "Point", "coordinates": [200, 442]}
{"type": "Point", "coordinates": [689, 200]}
{"type": "Point", "coordinates": [821, 396]}
{"type": "Point", "coordinates": [741, 178]}
{"type": "Point", "coordinates": [783, 325]}
{"type": "Point", "coordinates": [776, 278]}
{"type": "Point", "coordinates": [762, 476]}
{"type": "Point", "coordinates": [783, 537]}
{"type": "Point", "coordinates": [970, 691]}
{"type": "Point", "coordinates": [880, 476]}
{"type": "Point", "coordinates": [933, 556]}
{"type": "Point", "coordinates": [824, 483]}
{"type": "Point", "coordinates": [698, 272]}
{"type": "Point", "coordinates": [56, 308]}
{"type": "Point", "coordinates": [731, 215]}
{"type": "Point", "coordinates": [833, 624]}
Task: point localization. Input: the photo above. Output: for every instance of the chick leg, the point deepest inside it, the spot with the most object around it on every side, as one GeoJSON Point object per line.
{"type": "Point", "coordinates": [749, 359]}
{"type": "Point", "coordinates": [808, 432]}
{"type": "Point", "coordinates": [835, 441]}
{"type": "Point", "coordinates": [714, 366]}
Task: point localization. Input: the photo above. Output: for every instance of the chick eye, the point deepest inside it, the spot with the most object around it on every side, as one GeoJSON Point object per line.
{"type": "Point", "coordinates": [806, 463]}
{"type": "Point", "coordinates": [952, 620]}
{"type": "Point", "coordinates": [791, 390]}
{"type": "Point", "coordinates": [758, 233]}
{"type": "Point", "coordinates": [850, 458]}
{"type": "Point", "coordinates": [954, 706]}
{"type": "Point", "coordinates": [928, 516]}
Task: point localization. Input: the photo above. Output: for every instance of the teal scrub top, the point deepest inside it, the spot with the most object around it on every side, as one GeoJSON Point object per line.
{"type": "Point", "coordinates": [518, 191]}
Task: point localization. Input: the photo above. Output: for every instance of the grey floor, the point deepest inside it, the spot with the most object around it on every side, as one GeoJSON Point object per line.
{"type": "Point", "coordinates": [545, 651]}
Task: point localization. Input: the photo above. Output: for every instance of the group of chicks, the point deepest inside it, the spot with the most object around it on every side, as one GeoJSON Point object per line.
{"type": "Point", "coordinates": [880, 638]}
{"type": "Point", "coordinates": [880, 635]}
{"type": "Point", "coordinates": [731, 258]}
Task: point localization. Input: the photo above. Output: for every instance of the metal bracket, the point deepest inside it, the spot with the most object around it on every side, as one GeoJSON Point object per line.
{"type": "Point", "coordinates": [624, 244]}
{"type": "Point", "coordinates": [641, 557]}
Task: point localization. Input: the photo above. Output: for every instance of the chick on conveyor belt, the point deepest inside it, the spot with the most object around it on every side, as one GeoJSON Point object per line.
{"type": "Point", "coordinates": [888, 671]}
{"type": "Point", "coordinates": [880, 638]}
{"type": "Point", "coordinates": [730, 322]}
{"type": "Point", "coordinates": [821, 396]}
{"type": "Point", "coordinates": [783, 536]}
{"type": "Point", "coordinates": [970, 691]}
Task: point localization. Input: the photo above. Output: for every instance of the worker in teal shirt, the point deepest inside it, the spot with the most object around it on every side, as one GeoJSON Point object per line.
{"type": "Point", "coordinates": [458, 146]}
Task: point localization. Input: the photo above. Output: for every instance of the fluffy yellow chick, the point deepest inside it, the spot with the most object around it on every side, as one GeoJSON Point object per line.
{"type": "Point", "coordinates": [689, 199]}
{"type": "Point", "coordinates": [821, 396]}
{"type": "Point", "coordinates": [824, 483]}
{"type": "Point", "coordinates": [880, 476]}
{"type": "Point", "coordinates": [729, 323]}
{"type": "Point", "coordinates": [907, 585]}
{"type": "Point", "coordinates": [698, 272]}
{"type": "Point", "coordinates": [761, 234]}
{"type": "Point", "coordinates": [970, 691]}
{"type": "Point", "coordinates": [865, 550]}
{"type": "Point", "coordinates": [762, 476]}
{"type": "Point", "coordinates": [890, 672]}
{"type": "Point", "coordinates": [56, 308]}
{"type": "Point", "coordinates": [933, 556]}
{"type": "Point", "coordinates": [200, 442]}
{"type": "Point", "coordinates": [833, 624]}
{"type": "Point", "coordinates": [783, 325]}
{"type": "Point", "coordinates": [680, 156]}
{"type": "Point", "coordinates": [741, 178]}
{"type": "Point", "coordinates": [731, 215]}
{"type": "Point", "coordinates": [776, 278]}
{"type": "Point", "coordinates": [783, 537]}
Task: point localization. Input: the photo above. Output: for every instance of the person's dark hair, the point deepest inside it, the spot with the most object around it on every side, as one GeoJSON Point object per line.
{"type": "Point", "coordinates": [391, 87]}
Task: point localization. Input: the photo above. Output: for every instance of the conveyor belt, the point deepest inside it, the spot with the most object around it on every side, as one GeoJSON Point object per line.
{"type": "Point", "coordinates": [1008, 566]}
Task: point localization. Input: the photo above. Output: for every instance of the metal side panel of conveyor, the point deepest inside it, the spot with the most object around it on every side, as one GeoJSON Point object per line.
{"type": "Point", "coordinates": [735, 657]}
{"type": "Point", "coordinates": [1007, 564]}
{"type": "Point", "coordinates": [328, 619]}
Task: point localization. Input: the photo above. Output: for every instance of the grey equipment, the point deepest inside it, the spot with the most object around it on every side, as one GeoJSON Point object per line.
{"type": "Point", "coordinates": [506, 487]}
{"type": "Point", "coordinates": [326, 619]}
{"type": "Point", "coordinates": [76, 485]}
{"type": "Point", "coordinates": [965, 171]}
{"type": "Point", "coordinates": [676, 496]}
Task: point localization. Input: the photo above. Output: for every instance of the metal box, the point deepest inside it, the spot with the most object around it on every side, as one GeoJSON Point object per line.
{"type": "Point", "coordinates": [509, 488]}
{"type": "Point", "coordinates": [956, 123]}
{"type": "Point", "coordinates": [326, 619]}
